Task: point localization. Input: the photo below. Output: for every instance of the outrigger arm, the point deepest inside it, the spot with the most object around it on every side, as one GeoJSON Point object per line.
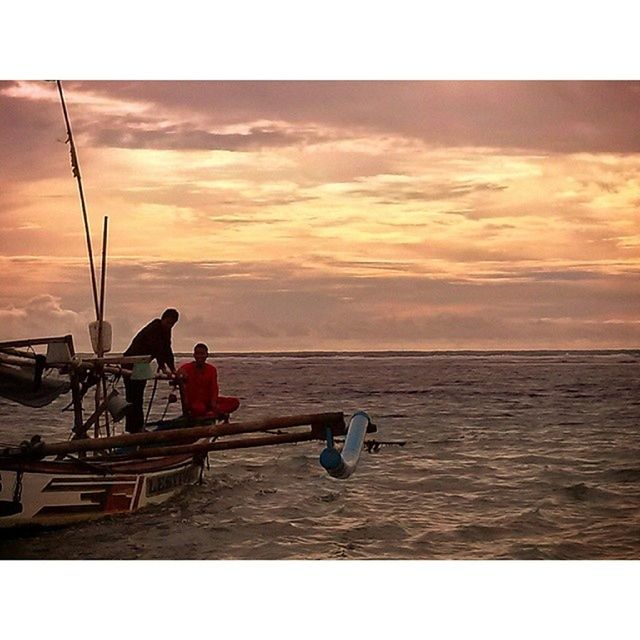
{"type": "Point", "coordinates": [339, 464]}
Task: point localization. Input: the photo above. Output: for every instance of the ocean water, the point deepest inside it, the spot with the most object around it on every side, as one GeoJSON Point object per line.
{"type": "Point", "coordinates": [519, 455]}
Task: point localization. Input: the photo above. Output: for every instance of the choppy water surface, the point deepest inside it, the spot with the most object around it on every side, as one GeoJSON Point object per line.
{"type": "Point", "coordinates": [518, 455]}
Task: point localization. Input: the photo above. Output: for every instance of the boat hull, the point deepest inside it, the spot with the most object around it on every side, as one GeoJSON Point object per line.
{"type": "Point", "coordinates": [56, 493]}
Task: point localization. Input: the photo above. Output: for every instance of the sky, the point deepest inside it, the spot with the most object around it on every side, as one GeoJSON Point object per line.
{"type": "Point", "coordinates": [424, 215]}
{"type": "Point", "coordinates": [327, 215]}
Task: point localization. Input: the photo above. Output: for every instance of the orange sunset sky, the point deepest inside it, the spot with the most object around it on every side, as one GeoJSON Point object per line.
{"type": "Point", "coordinates": [328, 215]}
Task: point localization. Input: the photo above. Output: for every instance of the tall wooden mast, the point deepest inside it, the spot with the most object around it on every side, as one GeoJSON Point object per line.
{"type": "Point", "coordinates": [75, 168]}
{"type": "Point", "coordinates": [101, 387]}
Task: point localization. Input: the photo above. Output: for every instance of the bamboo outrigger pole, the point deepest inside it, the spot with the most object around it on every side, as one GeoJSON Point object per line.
{"type": "Point", "coordinates": [75, 168]}
{"type": "Point", "coordinates": [319, 422]}
{"type": "Point", "coordinates": [225, 445]}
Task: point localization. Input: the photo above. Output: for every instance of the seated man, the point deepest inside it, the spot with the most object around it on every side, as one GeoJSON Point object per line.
{"type": "Point", "coordinates": [199, 382]}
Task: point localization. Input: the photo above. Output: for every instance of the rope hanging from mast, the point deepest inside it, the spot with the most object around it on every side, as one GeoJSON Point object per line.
{"type": "Point", "coordinates": [75, 169]}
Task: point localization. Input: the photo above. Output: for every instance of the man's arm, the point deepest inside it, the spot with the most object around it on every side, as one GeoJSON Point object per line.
{"type": "Point", "coordinates": [169, 358]}
{"type": "Point", "coordinates": [215, 392]}
{"type": "Point", "coordinates": [166, 357]}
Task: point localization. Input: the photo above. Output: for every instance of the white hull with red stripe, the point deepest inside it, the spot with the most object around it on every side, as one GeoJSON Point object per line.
{"type": "Point", "coordinates": [54, 493]}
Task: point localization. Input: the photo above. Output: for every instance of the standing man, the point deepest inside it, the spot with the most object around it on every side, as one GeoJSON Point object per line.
{"type": "Point", "coordinates": [200, 387]}
{"type": "Point", "coordinates": [153, 340]}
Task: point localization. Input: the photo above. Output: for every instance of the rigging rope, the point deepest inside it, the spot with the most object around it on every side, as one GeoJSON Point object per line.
{"type": "Point", "coordinates": [153, 395]}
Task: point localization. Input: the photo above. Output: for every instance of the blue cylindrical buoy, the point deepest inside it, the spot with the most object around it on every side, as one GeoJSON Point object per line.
{"type": "Point", "coordinates": [341, 464]}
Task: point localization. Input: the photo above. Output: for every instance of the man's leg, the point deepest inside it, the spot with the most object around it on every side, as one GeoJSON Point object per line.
{"type": "Point", "coordinates": [134, 420]}
{"type": "Point", "coordinates": [227, 405]}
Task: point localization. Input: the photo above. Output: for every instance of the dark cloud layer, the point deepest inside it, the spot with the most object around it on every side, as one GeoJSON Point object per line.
{"type": "Point", "coordinates": [542, 116]}
{"type": "Point", "coordinates": [29, 132]}
{"type": "Point", "coordinates": [283, 306]}
{"type": "Point", "coordinates": [553, 116]}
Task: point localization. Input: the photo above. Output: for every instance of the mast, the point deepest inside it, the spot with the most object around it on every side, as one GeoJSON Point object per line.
{"type": "Point", "coordinates": [101, 386]}
{"type": "Point", "coordinates": [75, 168]}
{"type": "Point", "coordinates": [103, 273]}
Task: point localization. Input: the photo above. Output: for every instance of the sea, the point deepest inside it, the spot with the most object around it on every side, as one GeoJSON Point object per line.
{"type": "Point", "coordinates": [489, 455]}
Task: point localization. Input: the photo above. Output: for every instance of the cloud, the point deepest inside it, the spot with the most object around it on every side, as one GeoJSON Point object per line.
{"type": "Point", "coordinates": [419, 190]}
{"type": "Point", "coordinates": [292, 215]}
{"type": "Point", "coordinates": [479, 331]}
{"type": "Point", "coordinates": [553, 116]}
{"type": "Point", "coordinates": [272, 306]}
{"type": "Point", "coordinates": [32, 137]}
{"type": "Point", "coordinates": [41, 316]}
{"type": "Point", "coordinates": [186, 136]}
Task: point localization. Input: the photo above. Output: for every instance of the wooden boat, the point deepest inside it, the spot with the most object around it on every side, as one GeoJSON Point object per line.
{"type": "Point", "coordinates": [89, 477]}
{"type": "Point", "coordinates": [96, 472]}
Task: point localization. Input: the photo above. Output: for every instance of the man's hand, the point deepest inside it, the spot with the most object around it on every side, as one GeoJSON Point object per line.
{"type": "Point", "coordinates": [170, 373]}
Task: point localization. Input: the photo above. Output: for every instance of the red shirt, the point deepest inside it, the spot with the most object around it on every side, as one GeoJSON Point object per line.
{"type": "Point", "coordinates": [200, 387]}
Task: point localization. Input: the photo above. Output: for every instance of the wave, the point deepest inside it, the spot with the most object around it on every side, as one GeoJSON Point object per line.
{"type": "Point", "coordinates": [629, 474]}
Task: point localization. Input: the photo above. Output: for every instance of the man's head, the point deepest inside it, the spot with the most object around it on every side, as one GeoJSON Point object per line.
{"type": "Point", "coordinates": [200, 353]}
{"type": "Point", "coordinates": [169, 317]}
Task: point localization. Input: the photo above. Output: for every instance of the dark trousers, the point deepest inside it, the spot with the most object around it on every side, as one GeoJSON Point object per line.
{"type": "Point", "coordinates": [134, 420]}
